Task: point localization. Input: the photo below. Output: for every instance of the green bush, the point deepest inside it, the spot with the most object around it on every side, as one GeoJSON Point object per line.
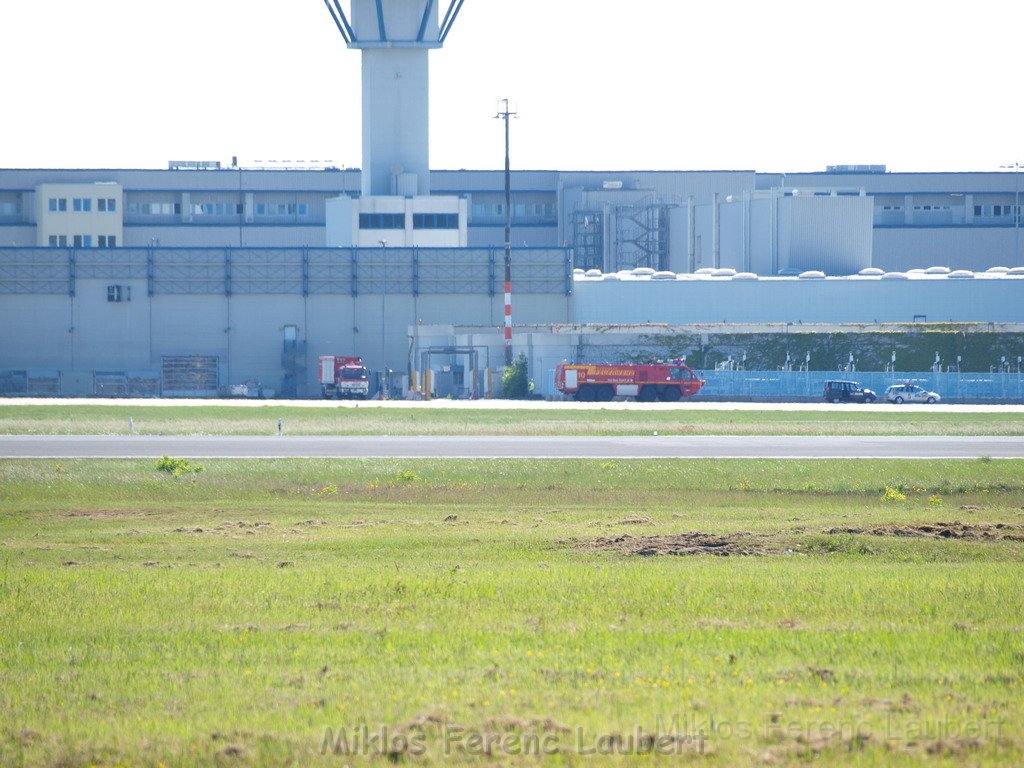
{"type": "Point", "coordinates": [177, 467]}
{"type": "Point", "coordinates": [515, 383]}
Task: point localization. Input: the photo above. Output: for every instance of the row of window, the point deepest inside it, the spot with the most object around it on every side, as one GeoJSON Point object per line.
{"type": "Point", "coordinates": [155, 209]}
{"type": "Point", "coordinates": [995, 210]}
{"type": "Point", "coordinates": [218, 209]}
{"type": "Point", "coordinates": [282, 209]}
{"type": "Point", "coordinates": [382, 221]}
{"type": "Point", "coordinates": [435, 221]}
{"type": "Point", "coordinates": [979, 210]}
{"type": "Point", "coordinates": [83, 241]}
{"type": "Point", "coordinates": [82, 204]}
{"type": "Point", "coordinates": [520, 210]}
{"type": "Point", "coordinates": [419, 221]}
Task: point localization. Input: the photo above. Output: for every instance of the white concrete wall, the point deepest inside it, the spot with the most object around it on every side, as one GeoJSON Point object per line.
{"type": "Point", "coordinates": [410, 236]}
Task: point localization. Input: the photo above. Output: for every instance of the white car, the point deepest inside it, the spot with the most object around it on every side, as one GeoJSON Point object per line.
{"type": "Point", "coordinates": [910, 393]}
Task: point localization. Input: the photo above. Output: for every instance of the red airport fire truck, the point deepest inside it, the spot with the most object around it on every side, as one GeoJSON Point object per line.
{"type": "Point", "coordinates": [601, 382]}
{"type": "Point", "coordinates": [343, 377]}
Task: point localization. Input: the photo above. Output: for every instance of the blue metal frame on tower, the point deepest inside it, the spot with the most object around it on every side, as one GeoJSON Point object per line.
{"type": "Point", "coordinates": [341, 21]}
{"type": "Point", "coordinates": [345, 28]}
{"type": "Point", "coordinates": [426, 18]}
{"type": "Point", "coordinates": [449, 18]}
{"type": "Point", "coordinates": [380, 22]}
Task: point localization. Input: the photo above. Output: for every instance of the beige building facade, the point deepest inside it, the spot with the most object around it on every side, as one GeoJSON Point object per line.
{"type": "Point", "coordinates": [80, 215]}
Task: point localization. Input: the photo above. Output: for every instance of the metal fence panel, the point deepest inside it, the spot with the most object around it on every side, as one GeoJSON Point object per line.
{"type": "Point", "coordinates": [811, 384]}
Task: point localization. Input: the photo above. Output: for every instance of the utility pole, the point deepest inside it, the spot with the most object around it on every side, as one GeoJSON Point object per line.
{"type": "Point", "coordinates": [505, 115]}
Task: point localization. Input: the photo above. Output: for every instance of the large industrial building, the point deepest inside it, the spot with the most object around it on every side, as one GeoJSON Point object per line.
{"type": "Point", "coordinates": [180, 281]}
{"type": "Point", "coordinates": [670, 220]}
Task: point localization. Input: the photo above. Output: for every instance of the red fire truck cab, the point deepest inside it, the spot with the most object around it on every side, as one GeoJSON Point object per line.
{"type": "Point", "coordinates": [343, 377]}
{"type": "Point", "coordinates": [602, 382]}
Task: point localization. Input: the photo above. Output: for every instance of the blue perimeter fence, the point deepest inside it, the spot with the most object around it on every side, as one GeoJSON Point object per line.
{"type": "Point", "coordinates": [811, 384]}
{"type": "Point", "coordinates": [782, 385]}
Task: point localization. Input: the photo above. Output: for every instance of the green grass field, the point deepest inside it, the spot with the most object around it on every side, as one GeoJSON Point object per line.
{"type": "Point", "coordinates": [241, 420]}
{"type": "Point", "coordinates": [232, 616]}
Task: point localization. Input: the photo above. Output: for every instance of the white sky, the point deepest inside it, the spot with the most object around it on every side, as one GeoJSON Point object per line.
{"type": "Point", "coordinates": [792, 85]}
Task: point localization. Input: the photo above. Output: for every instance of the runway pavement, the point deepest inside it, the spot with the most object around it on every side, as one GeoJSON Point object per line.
{"type": "Point", "coordinates": [475, 447]}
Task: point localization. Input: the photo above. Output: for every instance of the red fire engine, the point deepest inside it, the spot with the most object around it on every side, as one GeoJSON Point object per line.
{"type": "Point", "coordinates": [342, 376]}
{"type": "Point", "coordinates": [647, 383]}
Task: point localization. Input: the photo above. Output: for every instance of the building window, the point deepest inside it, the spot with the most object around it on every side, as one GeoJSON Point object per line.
{"type": "Point", "coordinates": [106, 205]}
{"type": "Point", "coordinates": [107, 241]}
{"type": "Point", "coordinates": [82, 204]}
{"type": "Point", "coordinates": [83, 241]}
{"type": "Point", "coordinates": [382, 221]}
{"type": "Point", "coordinates": [58, 241]}
{"type": "Point", "coordinates": [119, 293]}
{"type": "Point", "coordinates": [155, 209]}
{"type": "Point", "coordinates": [58, 204]}
{"type": "Point", "coordinates": [282, 209]}
{"type": "Point", "coordinates": [9, 208]}
{"type": "Point", "coordinates": [435, 221]}
{"type": "Point", "coordinates": [217, 209]}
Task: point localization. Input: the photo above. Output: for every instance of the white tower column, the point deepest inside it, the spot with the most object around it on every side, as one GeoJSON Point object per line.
{"type": "Point", "coordinates": [395, 121]}
{"type": "Point", "coordinates": [396, 208]}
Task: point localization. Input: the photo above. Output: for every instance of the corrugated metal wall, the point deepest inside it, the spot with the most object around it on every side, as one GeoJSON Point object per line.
{"type": "Point", "coordinates": [779, 300]}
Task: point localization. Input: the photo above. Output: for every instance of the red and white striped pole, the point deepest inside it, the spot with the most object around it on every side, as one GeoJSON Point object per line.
{"type": "Point", "coordinates": [508, 318]}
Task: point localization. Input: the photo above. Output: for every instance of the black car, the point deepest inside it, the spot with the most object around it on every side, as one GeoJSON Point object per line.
{"type": "Point", "coordinates": [847, 392]}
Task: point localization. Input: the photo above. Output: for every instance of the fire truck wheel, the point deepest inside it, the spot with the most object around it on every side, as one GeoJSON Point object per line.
{"type": "Point", "coordinates": [585, 393]}
{"type": "Point", "coordinates": [605, 393]}
{"type": "Point", "coordinates": [647, 394]}
{"type": "Point", "coordinates": [670, 394]}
